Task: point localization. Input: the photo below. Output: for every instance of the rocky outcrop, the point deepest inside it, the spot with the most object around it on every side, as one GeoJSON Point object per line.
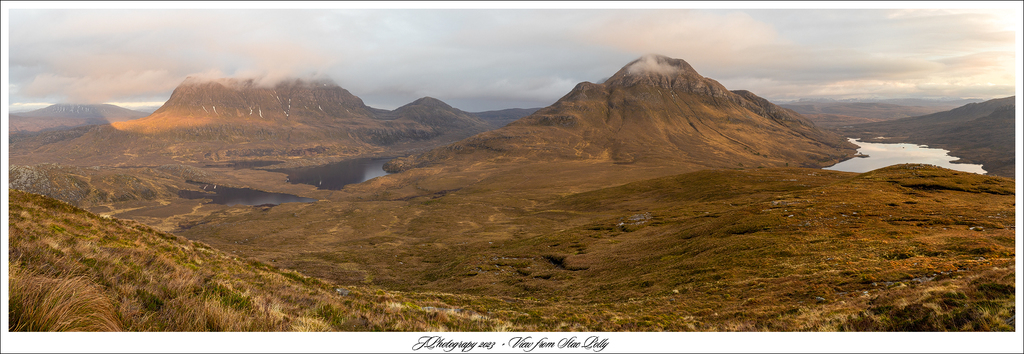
{"type": "Point", "coordinates": [50, 180]}
{"type": "Point", "coordinates": [86, 186]}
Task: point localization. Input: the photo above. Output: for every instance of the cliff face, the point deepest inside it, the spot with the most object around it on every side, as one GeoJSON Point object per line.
{"type": "Point", "coordinates": [224, 101]}
{"type": "Point", "coordinates": [655, 109]}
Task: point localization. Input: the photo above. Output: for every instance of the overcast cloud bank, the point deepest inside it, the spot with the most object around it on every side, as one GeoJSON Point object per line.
{"type": "Point", "coordinates": [494, 59]}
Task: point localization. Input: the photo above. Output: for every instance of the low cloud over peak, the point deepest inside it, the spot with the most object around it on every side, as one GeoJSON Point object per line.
{"type": "Point", "coordinates": [657, 64]}
{"type": "Point", "coordinates": [653, 64]}
{"type": "Point", "coordinates": [258, 81]}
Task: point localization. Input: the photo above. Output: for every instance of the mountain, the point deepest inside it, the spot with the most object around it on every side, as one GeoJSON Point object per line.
{"type": "Point", "coordinates": [981, 133]}
{"type": "Point", "coordinates": [654, 110]}
{"type": "Point", "coordinates": [223, 119]}
{"type": "Point", "coordinates": [437, 116]}
{"type": "Point", "coordinates": [62, 116]}
{"type": "Point", "coordinates": [309, 106]}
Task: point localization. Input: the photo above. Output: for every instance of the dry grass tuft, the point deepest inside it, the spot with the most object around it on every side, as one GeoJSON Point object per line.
{"type": "Point", "coordinates": [66, 304]}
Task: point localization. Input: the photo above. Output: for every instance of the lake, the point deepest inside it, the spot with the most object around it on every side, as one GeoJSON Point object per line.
{"type": "Point", "coordinates": [244, 196]}
{"type": "Point", "coordinates": [882, 155]}
{"type": "Point", "coordinates": [337, 175]}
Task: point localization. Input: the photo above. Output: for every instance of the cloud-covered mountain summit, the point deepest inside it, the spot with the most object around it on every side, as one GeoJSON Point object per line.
{"type": "Point", "coordinates": [655, 109]}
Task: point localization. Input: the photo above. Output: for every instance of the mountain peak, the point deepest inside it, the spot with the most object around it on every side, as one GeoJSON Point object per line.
{"type": "Point", "coordinates": [431, 102]}
{"type": "Point", "coordinates": [655, 110]}
{"type": "Point", "coordinates": [656, 64]}
{"type": "Point", "coordinates": [252, 98]}
{"type": "Point", "coordinates": [665, 72]}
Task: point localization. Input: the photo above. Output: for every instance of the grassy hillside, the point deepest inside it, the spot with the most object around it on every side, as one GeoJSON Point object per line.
{"type": "Point", "coordinates": [909, 247]}
{"type": "Point", "coordinates": [75, 271]}
{"type": "Point", "coordinates": [763, 249]}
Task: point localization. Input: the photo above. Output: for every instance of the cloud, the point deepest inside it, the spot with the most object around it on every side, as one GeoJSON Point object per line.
{"type": "Point", "coordinates": [97, 55]}
{"type": "Point", "coordinates": [522, 57]}
{"type": "Point", "coordinates": [649, 63]}
{"type": "Point", "coordinates": [99, 89]}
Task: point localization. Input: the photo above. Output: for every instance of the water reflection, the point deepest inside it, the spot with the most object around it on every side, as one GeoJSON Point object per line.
{"type": "Point", "coordinates": [337, 175]}
{"type": "Point", "coordinates": [238, 165]}
{"type": "Point", "coordinates": [882, 155]}
{"type": "Point", "coordinates": [244, 196]}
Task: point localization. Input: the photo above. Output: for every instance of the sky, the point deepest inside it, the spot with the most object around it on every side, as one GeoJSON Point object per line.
{"type": "Point", "coordinates": [489, 58]}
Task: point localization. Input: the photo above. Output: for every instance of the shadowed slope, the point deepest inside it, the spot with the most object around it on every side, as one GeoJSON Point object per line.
{"type": "Point", "coordinates": [63, 116]}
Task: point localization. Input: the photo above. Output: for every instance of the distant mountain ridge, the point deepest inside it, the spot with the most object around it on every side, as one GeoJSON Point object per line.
{"type": "Point", "coordinates": [210, 120]}
{"type": "Point", "coordinates": [875, 110]}
{"type": "Point", "coordinates": [62, 116]}
{"type": "Point", "coordinates": [81, 111]}
{"type": "Point", "coordinates": [912, 102]}
{"type": "Point", "coordinates": [977, 132]}
{"type": "Point", "coordinates": [500, 118]}
{"type": "Point", "coordinates": [655, 109]}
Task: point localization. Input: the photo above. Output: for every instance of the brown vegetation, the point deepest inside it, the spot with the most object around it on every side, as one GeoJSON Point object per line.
{"type": "Point", "coordinates": [76, 271]}
{"type": "Point", "coordinates": [762, 249]}
{"type": "Point", "coordinates": [759, 249]}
